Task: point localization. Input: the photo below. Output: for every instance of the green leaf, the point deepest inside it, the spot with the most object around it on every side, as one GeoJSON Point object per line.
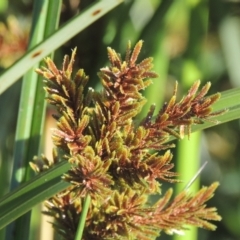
{"type": "Point", "coordinates": [40, 188]}
{"type": "Point", "coordinates": [230, 100]}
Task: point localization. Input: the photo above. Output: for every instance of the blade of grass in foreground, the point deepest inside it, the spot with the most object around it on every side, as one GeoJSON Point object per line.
{"type": "Point", "coordinates": [56, 171]}
{"type": "Point", "coordinates": [41, 187]}
{"type": "Point", "coordinates": [66, 32]}
{"type": "Point", "coordinates": [20, 205]}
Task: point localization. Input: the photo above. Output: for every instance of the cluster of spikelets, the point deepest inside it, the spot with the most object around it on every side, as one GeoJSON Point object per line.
{"type": "Point", "coordinates": [113, 159]}
{"type": "Point", "coordinates": [13, 40]}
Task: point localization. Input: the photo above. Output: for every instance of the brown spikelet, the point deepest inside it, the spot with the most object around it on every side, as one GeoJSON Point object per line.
{"type": "Point", "coordinates": [117, 161]}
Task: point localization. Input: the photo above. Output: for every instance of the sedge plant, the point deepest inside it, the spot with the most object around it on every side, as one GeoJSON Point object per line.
{"type": "Point", "coordinates": [118, 162]}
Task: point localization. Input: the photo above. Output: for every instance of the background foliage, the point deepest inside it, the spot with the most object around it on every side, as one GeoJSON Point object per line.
{"type": "Point", "coordinates": [189, 40]}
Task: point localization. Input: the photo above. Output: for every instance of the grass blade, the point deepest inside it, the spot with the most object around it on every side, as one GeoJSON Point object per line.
{"type": "Point", "coordinates": [230, 101]}
{"type": "Point", "coordinates": [70, 29]}
{"type": "Point", "coordinates": [83, 218]}
{"type": "Point", "coordinates": [41, 187]}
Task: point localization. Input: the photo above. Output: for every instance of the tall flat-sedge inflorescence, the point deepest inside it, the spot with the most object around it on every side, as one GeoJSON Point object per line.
{"type": "Point", "coordinates": [114, 159]}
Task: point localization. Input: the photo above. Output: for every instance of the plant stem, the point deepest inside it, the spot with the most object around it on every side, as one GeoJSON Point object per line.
{"type": "Point", "coordinates": [31, 114]}
{"type": "Point", "coordinates": [83, 217]}
{"type": "Point", "coordinates": [188, 158]}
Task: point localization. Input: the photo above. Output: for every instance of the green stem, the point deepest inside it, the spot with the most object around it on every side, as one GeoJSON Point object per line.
{"type": "Point", "coordinates": [31, 114]}
{"type": "Point", "coordinates": [83, 217]}
{"type": "Point", "coordinates": [188, 158]}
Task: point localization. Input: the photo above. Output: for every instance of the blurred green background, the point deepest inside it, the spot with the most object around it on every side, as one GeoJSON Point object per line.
{"type": "Point", "coordinates": [189, 40]}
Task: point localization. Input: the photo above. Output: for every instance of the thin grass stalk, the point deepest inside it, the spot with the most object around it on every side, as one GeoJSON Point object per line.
{"type": "Point", "coordinates": [30, 118]}
{"type": "Point", "coordinates": [188, 151]}
{"type": "Point", "coordinates": [39, 111]}
{"type": "Point", "coordinates": [188, 163]}
{"type": "Point", "coordinates": [83, 217]}
{"type": "Point", "coordinates": [39, 114]}
{"type": "Point", "coordinates": [4, 169]}
{"type": "Point", "coordinates": [28, 91]}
